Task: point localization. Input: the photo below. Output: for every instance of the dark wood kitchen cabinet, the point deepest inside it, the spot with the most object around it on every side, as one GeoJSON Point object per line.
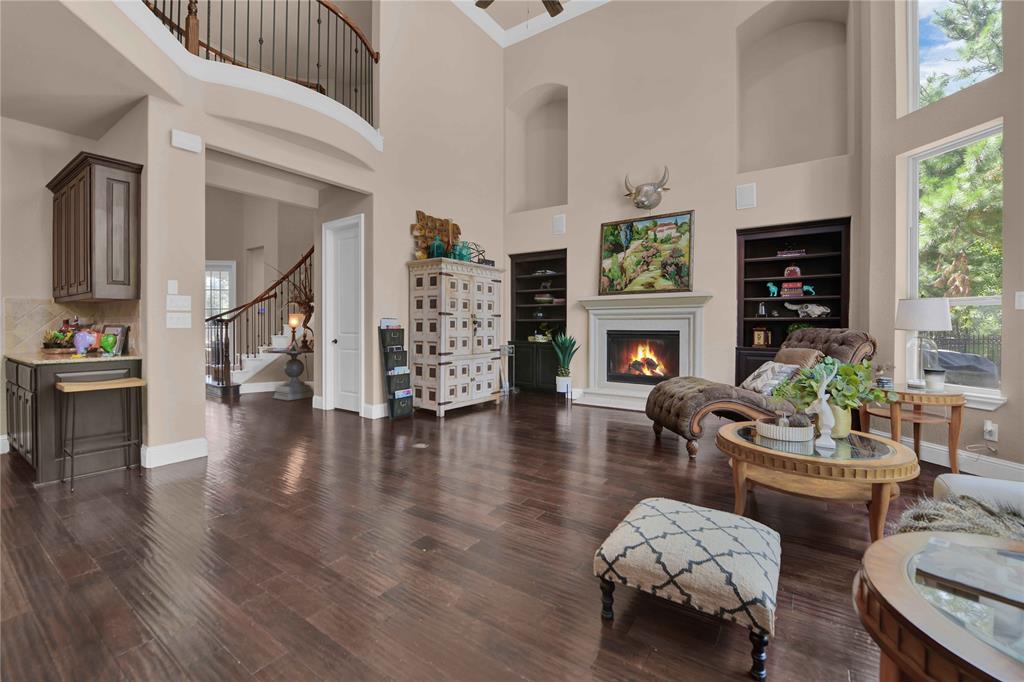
{"type": "Point", "coordinates": [96, 229]}
{"type": "Point", "coordinates": [101, 418]}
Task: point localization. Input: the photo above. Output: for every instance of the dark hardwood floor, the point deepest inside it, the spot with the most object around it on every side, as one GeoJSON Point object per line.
{"type": "Point", "coordinates": [317, 545]}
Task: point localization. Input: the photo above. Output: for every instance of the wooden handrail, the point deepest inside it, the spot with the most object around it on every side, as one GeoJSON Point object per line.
{"type": "Point", "coordinates": [327, 4]}
{"type": "Point", "coordinates": [265, 295]}
{"type": "Point", "coordinates": [193, 14]}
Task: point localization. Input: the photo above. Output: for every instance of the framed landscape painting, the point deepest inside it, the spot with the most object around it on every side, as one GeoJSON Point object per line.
{"type": "Point", "coordinates": [647, 255]}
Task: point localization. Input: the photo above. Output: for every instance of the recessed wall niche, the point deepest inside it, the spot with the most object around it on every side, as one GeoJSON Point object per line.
{"type": "Point", "coordinates": [792, 84]}
{"type": "Point", "coordinates": [537, 149]}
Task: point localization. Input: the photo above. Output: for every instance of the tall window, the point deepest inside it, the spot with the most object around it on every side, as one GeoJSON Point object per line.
{"type": "Point", "coordinates": [953, 44]}
{"type": "Point", "coordinates": [220, 287]}
{"type": "Point", "coordinates": [956, 240]}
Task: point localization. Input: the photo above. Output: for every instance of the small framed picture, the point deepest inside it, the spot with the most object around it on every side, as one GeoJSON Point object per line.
{"type": "Point", "coordinates": [121, 332]}
{"type": "Point", "coordinates": [762, 337]}
{"type": "Point", "coordinates": [792, 271]}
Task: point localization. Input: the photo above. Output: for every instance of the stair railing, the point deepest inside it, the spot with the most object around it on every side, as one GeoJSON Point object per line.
{"type": "Point", "coordinates": [247, 329]}
{"type": "Point", "coordinates": [309, 42]}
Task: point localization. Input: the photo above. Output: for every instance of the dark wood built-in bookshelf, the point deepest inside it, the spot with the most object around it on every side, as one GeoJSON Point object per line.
{"type": "Point", "coordinates": [824, 264]}
{"type": "Point", "coordinates": [534, 364]}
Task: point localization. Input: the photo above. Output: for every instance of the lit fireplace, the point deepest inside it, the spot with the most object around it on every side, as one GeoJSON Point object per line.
{"type": "Point", "coordinates": [642, 357]}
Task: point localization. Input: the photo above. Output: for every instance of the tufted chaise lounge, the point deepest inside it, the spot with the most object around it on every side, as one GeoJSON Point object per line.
{"type": "Point", "coordinates": [680, 404]}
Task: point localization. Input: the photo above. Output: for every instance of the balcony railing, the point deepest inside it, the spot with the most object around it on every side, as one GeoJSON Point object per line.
{"type": "Point", "coordinates": [309, 42]}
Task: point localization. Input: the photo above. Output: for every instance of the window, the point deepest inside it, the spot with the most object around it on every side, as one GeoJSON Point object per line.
{"type": "Point", "coordinates": [956, 252]}
{"type": "Point", "coordinates": [953, 44]}
{"type": "Point", "coordinates": [219, 295]}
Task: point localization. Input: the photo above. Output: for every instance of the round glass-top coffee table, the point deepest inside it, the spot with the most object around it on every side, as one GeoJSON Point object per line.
{"type": "Point", "coordinates": [958, 617]}
{"type": "Point", "coordinates": [862, 468]}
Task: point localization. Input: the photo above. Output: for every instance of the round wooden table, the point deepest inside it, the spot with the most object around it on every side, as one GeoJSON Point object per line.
{"type": "Point", "coordinates": [918, 399]}
{"type": "Point", "coordinates": [863, 468]}
{"type": "Point", "coordinates": [919, 641]}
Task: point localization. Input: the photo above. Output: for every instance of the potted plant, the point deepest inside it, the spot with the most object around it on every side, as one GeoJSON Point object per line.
{"type": "Point", "coordinates": [845, 386]}
{"type": "Point", "coordinates": [565, 348]}
{"type": "Point", "coordinates": [852, 386]}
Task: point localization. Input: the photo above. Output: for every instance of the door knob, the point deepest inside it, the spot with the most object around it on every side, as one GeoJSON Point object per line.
{"type": "Point", "coordinates": [334, 341]}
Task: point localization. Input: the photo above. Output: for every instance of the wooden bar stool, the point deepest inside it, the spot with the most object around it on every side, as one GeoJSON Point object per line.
{"type": "Point", "coordinates": [130, 389]}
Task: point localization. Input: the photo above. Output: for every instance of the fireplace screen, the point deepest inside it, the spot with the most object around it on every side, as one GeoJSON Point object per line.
{"type": "Point", "coordinates": [642, 357]}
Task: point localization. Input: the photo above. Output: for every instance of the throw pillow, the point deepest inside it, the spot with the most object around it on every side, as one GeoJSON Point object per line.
{"type": "Point", "coordinates": [802, 357]}
{"type": "Point", "coordinates": [769, 375]}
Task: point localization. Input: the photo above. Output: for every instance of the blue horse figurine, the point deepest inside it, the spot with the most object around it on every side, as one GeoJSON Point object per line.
{"type": "Point", "coordinates": [809, 290]}
{"type": "Point", "coordinates": [773, 289]}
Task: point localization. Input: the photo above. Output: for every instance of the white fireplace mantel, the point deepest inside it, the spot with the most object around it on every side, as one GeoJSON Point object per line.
{"type": "Point", "coordinates": [676, 299]}
{"type": "Point", "coordinates": [676, 311]}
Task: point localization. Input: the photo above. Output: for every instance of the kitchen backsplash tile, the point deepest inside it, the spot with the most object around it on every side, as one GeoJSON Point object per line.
{"type": "Point", "coordinates": [26, 319]}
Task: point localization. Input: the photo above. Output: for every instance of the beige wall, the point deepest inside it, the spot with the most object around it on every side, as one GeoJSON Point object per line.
{"type": "Point", "coordinates": [444, 155]}
{"type": "Point", "coordinates": [683, 114]}
{"type": "Point", "coordinates": [890, 140]}
{"type": "Point", "coordinates": [793, 96]}
{"type": "Point", "coordinates": [623, 119]}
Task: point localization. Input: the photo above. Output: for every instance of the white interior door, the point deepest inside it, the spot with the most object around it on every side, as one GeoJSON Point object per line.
{"type": "Point", "coordinates": [344, 338]}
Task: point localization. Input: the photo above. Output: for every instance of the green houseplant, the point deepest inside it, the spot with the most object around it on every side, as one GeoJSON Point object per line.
{"type": "Point", "coordinates": [851, 387]}
{"type": "Point", "coordinates": [565, 348]}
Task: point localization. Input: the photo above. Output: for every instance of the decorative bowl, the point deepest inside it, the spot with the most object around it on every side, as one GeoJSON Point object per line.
{"type": "Point", "coordinates": [767, 428]}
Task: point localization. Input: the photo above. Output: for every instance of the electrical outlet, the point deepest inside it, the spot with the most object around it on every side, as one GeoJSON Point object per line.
{"type": "Point", "coordinates": [990, 431]}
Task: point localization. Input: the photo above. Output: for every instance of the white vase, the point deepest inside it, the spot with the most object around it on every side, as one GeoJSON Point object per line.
{"type": "Point", "coordinates": [826, 420]}
{"type": "Point", "coordinates": [563, 384]}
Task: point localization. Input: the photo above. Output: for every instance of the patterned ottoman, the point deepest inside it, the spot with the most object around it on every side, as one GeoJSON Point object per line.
{"type": "Point", "coordinates": [712, 561]}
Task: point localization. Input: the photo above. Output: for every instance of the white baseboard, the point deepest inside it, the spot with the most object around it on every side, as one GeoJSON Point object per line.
{"type": "Point", "coordinates": [172, 453]}
{"type": "Point", "coordinates": [374, 411]}
{"type": "Point", "coordinates": [577, 393]}
{"type": "Point", "coordinates": [263, 387]}
{"type": "Point", "coordinates": [969, 462]}
{"type": "Point", "coordinates": [5, 444]}
{"type": "Point", "coordinates": [613, 399]}
{"type": "Point", "coordinates": [318, 402]}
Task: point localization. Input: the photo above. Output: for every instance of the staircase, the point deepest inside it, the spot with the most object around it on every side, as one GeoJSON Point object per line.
{"type": "Point", "coordinates": [239, 341]}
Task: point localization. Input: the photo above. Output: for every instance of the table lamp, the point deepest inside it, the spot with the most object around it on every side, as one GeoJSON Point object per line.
{"type": "Point", "coordinates": [922, 315]}
{"type": "Point", "coordinates": [294, 320]}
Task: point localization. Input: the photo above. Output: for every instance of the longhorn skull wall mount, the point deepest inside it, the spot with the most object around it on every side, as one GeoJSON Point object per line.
{"type": "Point", "coordinates": [648, 195]}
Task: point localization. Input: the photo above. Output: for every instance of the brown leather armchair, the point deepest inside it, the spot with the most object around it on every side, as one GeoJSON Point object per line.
{"type": "Point", "coordinates": [680, 404]}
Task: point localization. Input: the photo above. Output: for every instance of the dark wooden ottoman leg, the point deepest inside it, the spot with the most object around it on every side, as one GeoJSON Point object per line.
{"type": "Point", "coordinates": [657, 429]}
{"type": "Point", "coordinates": [691, 448]}
{"type": "Point", "coordinates": [607, 587]}
{"type": "Point", "coordinates": [758, 655]}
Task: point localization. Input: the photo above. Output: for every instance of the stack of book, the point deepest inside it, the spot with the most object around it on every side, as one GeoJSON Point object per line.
{"type": "Point", "coordinates": [792, 289]}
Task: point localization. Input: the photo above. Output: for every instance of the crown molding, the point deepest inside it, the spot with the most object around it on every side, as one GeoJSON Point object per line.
{"type": "Point", "coordinates": [505, 37]}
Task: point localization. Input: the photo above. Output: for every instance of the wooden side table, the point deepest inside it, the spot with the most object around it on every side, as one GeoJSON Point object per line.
{"type": "Point", "coordinates": [917, 399]}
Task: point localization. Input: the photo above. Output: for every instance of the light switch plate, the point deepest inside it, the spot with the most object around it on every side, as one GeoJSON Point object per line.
{"type": "Point", "coordinates": [178, 303]}
{"type": "Point", "coordinates": [1018, 300]}
{"type": "Point", "coordinates": [558, 224]}
{"type": "Point", "coordinates": [746, 196]}
{"type": "Point", "coordinates": [172, 286]}
{"type": "Point", "coordinates": [179, 320]}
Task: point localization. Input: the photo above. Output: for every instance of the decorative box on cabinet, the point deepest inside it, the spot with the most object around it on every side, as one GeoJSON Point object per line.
{"type": "Point", "coordinates": [454, 326]}
{"type": "Point", "coordinates": [96, 233]}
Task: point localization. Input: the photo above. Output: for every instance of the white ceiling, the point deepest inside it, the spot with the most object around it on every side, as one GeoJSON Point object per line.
{"type": "Point", "coordinates": [509, 13]}
{"type": "Point", "coordinates": [83, 88]}
{"type": "Point", "coordinates": [508, 22]}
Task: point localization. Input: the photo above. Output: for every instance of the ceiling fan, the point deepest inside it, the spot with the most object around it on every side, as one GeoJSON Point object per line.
{"type": "Point", "coordinates": [554, 7]}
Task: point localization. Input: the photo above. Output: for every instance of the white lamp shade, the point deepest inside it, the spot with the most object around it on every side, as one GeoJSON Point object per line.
{"type": "Point", "coordinates": [923, 315]}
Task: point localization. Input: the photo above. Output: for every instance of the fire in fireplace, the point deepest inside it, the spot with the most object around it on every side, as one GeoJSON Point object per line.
{"type": "Point", "coordinates": [644, 357]}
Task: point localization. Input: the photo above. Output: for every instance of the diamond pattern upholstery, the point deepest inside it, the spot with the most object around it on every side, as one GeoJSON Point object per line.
{"type": "Point", "coordinates": [712, 561]}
